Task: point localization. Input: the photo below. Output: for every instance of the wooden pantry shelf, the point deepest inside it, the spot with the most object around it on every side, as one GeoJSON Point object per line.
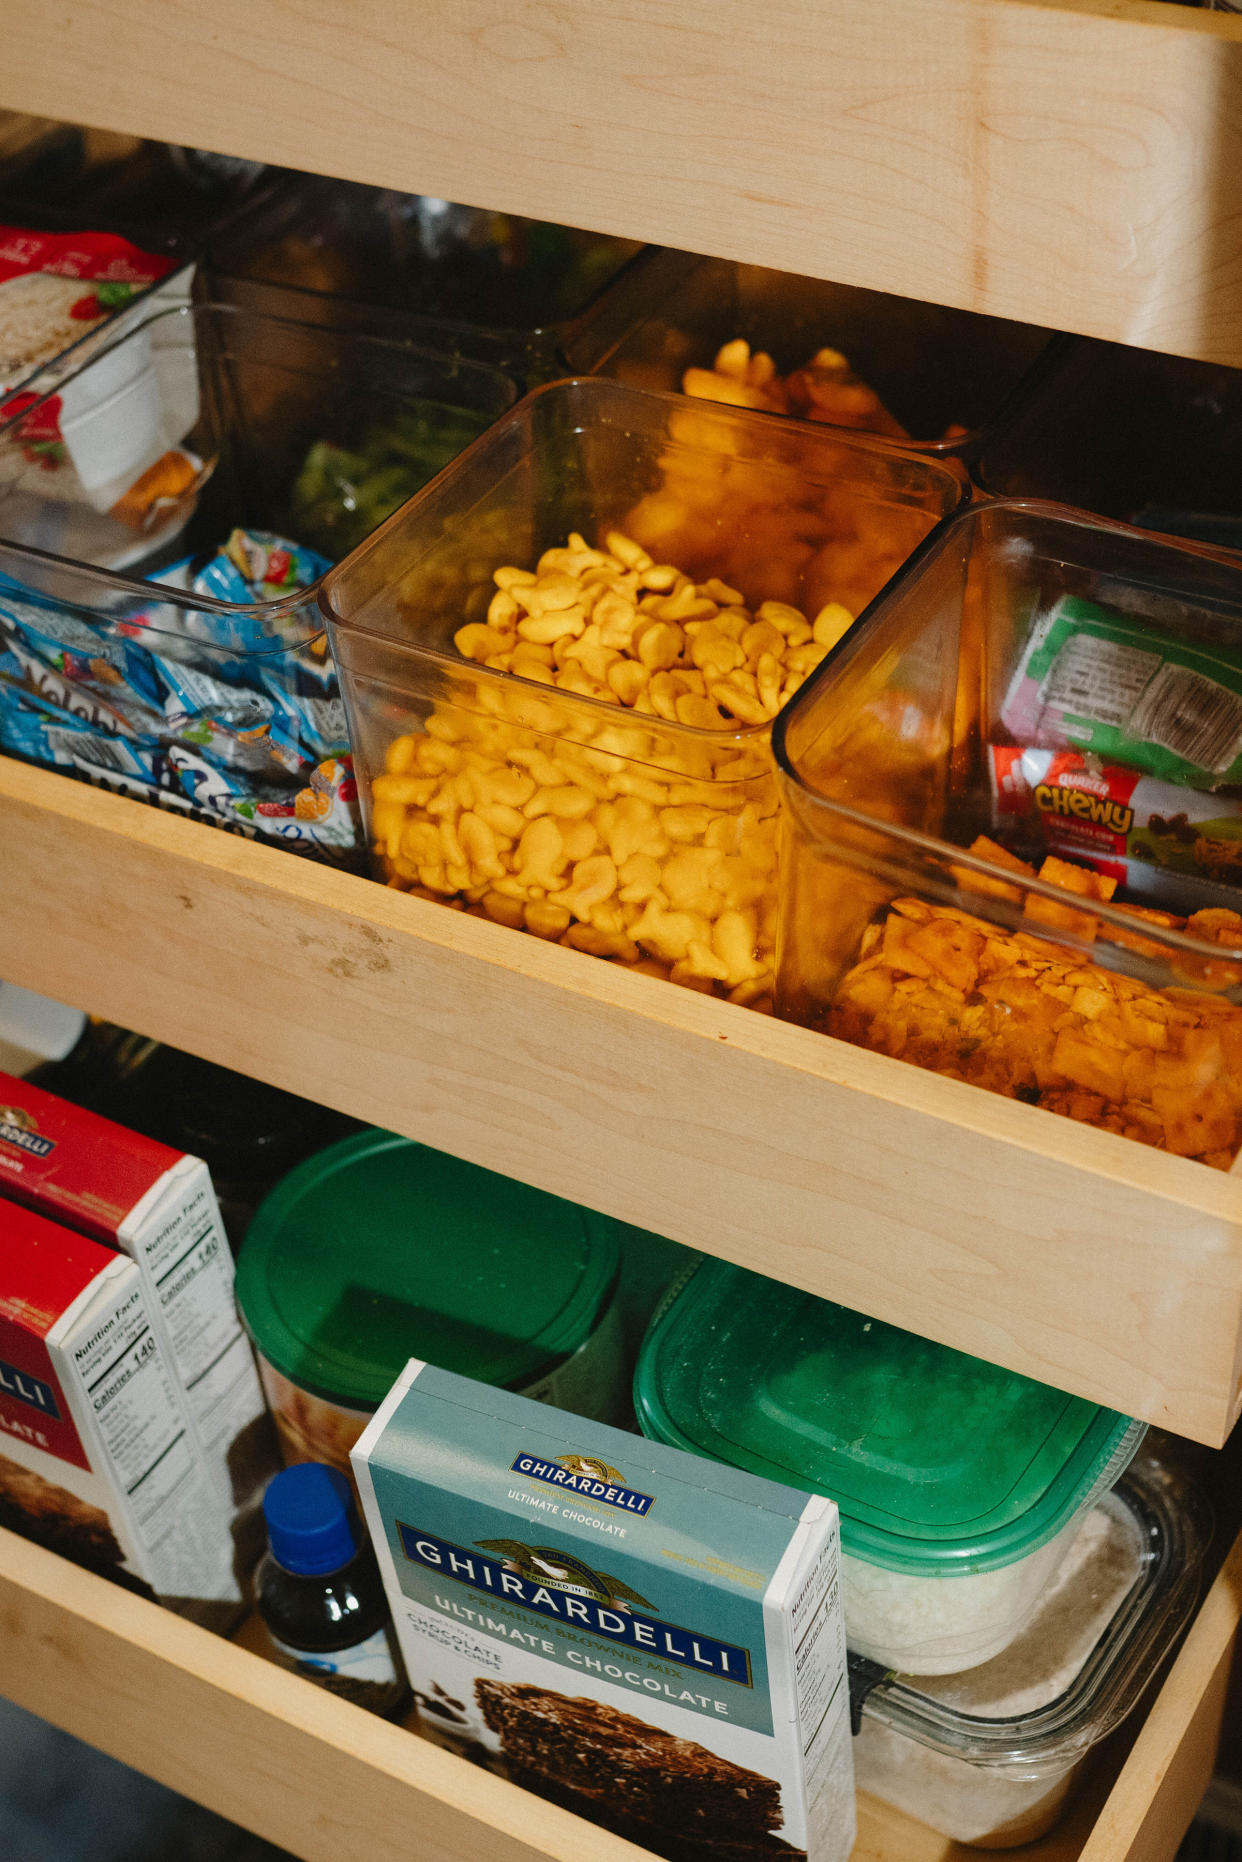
{"type": "Point", "coordinates": [1076, 163]}
{"type": "Point", "coordinates": [332, 1784]}
{"type": "Point", "coordinates": [1067, 1253]}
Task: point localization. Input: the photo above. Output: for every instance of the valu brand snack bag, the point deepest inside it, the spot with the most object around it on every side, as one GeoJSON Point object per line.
{"type": "Point", "coordinates": [1179, 846]}
{"type": "Point", "coordinates": [224, 729]}
{"type": "Point", "coordinates": [1091, 679]}
{"type": "Point", "coordinates": [651, 1640]}
{"type": "Point", "coordinates": [96, 1459]}
{"type": "Point", "coordinates": [157, 1206]}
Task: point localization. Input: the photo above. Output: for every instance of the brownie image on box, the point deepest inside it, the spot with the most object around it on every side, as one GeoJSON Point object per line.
{"type": "Point", "coordinates": [670, 1794]}
{"type": "Point", "coordinates": [53, 1516]}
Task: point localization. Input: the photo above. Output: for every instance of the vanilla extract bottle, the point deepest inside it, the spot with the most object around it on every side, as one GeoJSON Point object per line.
{"type": "Point", "coordinates": [320, 1593]}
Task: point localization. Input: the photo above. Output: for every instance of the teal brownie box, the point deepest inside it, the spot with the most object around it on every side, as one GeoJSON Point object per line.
{"type": "Point", "coordinates": [651, 1639]}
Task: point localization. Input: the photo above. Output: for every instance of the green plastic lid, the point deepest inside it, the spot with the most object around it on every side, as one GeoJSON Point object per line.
{"type": "Point", "coordinates": [378, 1250]}
{"type": "Point", "coordinates": [940, 1464]}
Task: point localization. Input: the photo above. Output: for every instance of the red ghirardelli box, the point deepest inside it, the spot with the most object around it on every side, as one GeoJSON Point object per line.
{"type": "Point", "coordinates": [96, 1457]}
{"type": "Point", "coordinates": [157, 1206]}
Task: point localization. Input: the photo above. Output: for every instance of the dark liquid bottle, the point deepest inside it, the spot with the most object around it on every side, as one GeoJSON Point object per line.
{"type": "Point", "coordinates": [320, 1592]}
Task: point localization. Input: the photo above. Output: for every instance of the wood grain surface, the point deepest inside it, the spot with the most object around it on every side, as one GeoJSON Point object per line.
{"type": "Point", "coordinates": [312, 1773]}
{"type": "Point", "coordinates": [331, 1783]}
{"type": "Point", "coordinates": [1064, 1252]}
{"type": "Point", "coordinates": [1077, 165]}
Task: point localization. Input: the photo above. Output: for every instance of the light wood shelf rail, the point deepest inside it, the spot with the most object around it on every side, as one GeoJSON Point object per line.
{"type": "Point", "coordinates": [1076, 163]}
{"type": "Point", "coordinates": [1064, 1252]}
{"type": "Point", "coordinates": [332, 1784]}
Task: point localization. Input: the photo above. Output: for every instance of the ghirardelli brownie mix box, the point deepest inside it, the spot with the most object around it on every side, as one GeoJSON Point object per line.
{"type": "Point", "coordinates": [652, 1640]}
{"type": "Point", "coordinates": [96, 1457]}
{"type": "Point", "coordinates": [157, 1206]}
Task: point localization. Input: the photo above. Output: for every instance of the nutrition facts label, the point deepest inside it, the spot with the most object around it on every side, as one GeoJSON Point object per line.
{"type": "Point", "coordinates": [140, 1424]}
{"type": "Point", "coordinates": [187, 1261]}
{"type": "Point", "coordinates": [823, 1700]}
{"type": "Point", "coordinates": [816, 1616]}
{"type": "Point", "coordinates": [1098, 679]}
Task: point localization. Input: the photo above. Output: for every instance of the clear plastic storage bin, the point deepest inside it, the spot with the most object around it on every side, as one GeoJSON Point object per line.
{"type": "Point", "coordinates": [962, 1487]}
{"type": "Point", "coordinates": [1149, 439]}
{"type": "Point", "coordinates": [990, 1757]}
{"type": "Point", "coordinates": [207, 686]}
{"type": "Point", "coordinates": [942, 376]}
{"type": "Point", "coordinates": [514, 292]}
{"type": "Point", "coordinates": [626, 833]}
{"type": "Point", "coordinates": [1040, 688]}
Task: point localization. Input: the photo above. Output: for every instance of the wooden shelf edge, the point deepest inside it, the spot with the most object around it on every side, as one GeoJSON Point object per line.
{"type": "Point", "coordinates": [260, 1746]}
{"type": "Point", "coordinates": [1065, 1253]}
{"type": "Point", "coordinates": [327, 1781]}
{"type": "Point", "coordinates": [1172, 1759]}
{"type": "Point", "coordinates": [1071, 163]}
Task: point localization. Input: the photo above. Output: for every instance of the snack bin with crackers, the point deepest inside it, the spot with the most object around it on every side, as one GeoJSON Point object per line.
{"type": "Point", "coordinates": [993, 1757]}
{"type": "Point", "coordinates": [519, 293]}
{"type": "Point", "coordinates": [932, 378]}
{"type": "Point", "coordinates": [962, 1487]}
{"type": "Point", "coordinates": [610, 774]}
{"type": "Point", "coordinates": [1005, 766]}
{"type": "Point", "coordinates": [226, 460]}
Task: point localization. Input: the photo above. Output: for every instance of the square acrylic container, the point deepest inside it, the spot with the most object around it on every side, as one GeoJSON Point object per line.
{"type": "Point", "coordinates": [991, 1757]}
{"type": "Point", "coordinates": [1147, 439]}
{"type": "Point", "coordinates": [574, 789]}
{"type": "Point", "coordinates": [896, 755]}
{"type": "Point", "coordinates": [944, 375]}
{"type": "Point", "coordinates": [187, 686]}
{"type": "Point", "coordinates": [514, 292]}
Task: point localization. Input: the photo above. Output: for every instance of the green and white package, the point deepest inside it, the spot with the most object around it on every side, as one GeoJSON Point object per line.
{"type": "Point", "coordinates": [1091, 679]}
{"type": "Point", "coordinates": [652, 1640]}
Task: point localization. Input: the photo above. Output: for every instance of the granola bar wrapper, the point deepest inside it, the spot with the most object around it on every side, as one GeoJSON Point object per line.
{"type": "Point", "coordinates": [1094, 680]}
{"type": "Point", "coordinates": [1174, 847]}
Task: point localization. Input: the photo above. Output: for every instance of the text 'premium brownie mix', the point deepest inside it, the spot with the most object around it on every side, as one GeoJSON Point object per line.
{"type": "Point", "coordinates": [651, 1640]}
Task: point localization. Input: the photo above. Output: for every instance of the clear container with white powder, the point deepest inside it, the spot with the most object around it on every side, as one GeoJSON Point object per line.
{"type": "Point", "coordinates": [989, 1757]}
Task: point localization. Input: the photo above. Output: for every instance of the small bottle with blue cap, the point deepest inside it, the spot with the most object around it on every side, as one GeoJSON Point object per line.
{"type": "Point", "coordinates": [320, 1593]}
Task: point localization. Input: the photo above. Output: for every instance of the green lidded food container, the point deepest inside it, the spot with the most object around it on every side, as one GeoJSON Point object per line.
{"type": "Point", "coordinates": [944, 1467]}
{"type": "Point", "coordinates": [378, 1250]}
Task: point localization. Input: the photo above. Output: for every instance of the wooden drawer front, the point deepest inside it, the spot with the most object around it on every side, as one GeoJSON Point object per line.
{"type": "Point", "coordinates": [333, 1784]}
{"type": "Point", "coordinates": [938, 148]}
{"type": "Point", "coordinates": [1069, 1254]}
